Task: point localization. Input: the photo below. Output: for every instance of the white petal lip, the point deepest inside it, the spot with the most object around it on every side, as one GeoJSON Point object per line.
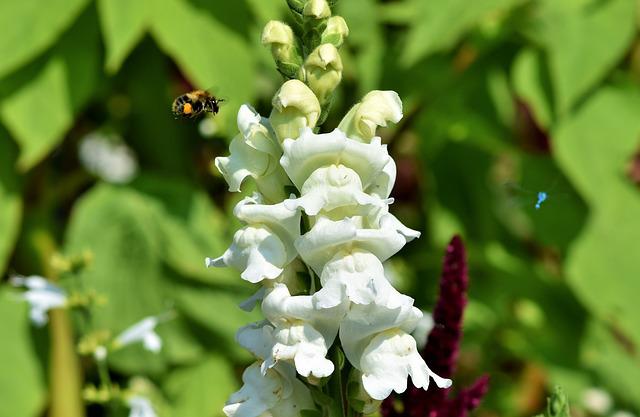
{"type": "Point", "coordinates": [327, 237]}
{"type": "Point", "coordinates": [309, 152]}
{"type": "Point", "coordinates": [257, 338]}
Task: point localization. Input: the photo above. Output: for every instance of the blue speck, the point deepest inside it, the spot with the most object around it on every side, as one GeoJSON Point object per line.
{"type": "Point", "coordinates": [542, 196]}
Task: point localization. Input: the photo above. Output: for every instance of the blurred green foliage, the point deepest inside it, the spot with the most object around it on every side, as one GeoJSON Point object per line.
{"type": "Point", "coordinates": [541, 93]}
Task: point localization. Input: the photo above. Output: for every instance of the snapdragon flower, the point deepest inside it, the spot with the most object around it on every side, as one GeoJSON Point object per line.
{"type": "Point", "coordinates": [142, 331]}
{"type": "Point", "coordinates": [42, 296]}
{"type": "Point", "coordinates": [140, 407]}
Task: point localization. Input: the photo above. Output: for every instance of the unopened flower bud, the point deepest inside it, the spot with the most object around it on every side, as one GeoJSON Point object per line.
{"type": "Point", "coordinates": [323, 69]}
{"type": "Point", "coordinates": [294, 107]}
{"type": "Point", "coordinates": [376, 109]}
{"type": "Point", "coordinates": [283, 47]}
{"type": "Point", "coordinates": [336, 31]}
{"type": "Point", "coordinates": [317, 9]}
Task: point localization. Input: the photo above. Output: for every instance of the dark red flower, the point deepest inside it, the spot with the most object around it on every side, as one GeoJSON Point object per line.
{"type": "Point", "coordinates": [441, 350]}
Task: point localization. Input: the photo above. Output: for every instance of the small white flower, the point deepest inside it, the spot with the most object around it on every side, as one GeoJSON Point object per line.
{"type": "Point", "coordinates": [108, 158]}
{"type": "Point", "coordinates": [294, 107]}
{"type": "Point", "coordinates": [597, 400]}
{"type": "Point", "coordinates": [277, 392]}
{"type": "Point", "coordinates": [142, 331]}
{"type": "Point", "coordinates": [41, 295]}
{"type": "Point", "coordinates": [140, 407]}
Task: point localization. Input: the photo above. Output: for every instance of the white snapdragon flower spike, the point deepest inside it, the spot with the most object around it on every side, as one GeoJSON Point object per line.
{"type": "Point", "coordinates": [41, 295]}
{"type": "Point", "coordinates": [277, 392]}
{"type": "Point", "coordinates": [140, 407]}
{"type": "Point", "coordinates": [262, 249]}
{"type": "Point", "coordinates": [142, 331]}
{"type": "Point", "coordinates": [254, 153]}
{"type": "Point", "coordinates": [344, 179]}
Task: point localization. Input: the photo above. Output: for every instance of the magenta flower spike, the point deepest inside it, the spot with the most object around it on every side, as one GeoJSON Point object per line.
{"type": "Point", "coordinates": [442, 348]}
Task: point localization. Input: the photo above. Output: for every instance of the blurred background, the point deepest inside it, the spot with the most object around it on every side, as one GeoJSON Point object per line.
{"type": "Point", "coordinates": [502, 99]}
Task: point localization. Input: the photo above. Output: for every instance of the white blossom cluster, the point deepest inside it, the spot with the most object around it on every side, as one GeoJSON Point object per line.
{"type": "Point", "coordinates": [343, 180]}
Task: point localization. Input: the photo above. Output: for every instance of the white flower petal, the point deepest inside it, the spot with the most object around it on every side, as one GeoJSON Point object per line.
{"type": "Point", "coordinates": [41, 295]}
{"type": "Point", "coordinates": [327, 237]}
{"type": "Point", "coordinates": [257, 338]}
{"type": "Point", "coordinates": [375, 109]}
{"type": "Point", "coordinates": [305, 346]}
{"type": "Point", "coordinates": [243, 162]}
{"type": "Point", "coordinates": [257, 132]}
{"type": "Point", "coordinates": [250, 303]}
{"type": "Point", "coordinates": [309, 152]}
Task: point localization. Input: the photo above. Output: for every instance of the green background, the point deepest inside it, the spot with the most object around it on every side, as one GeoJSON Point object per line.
{"type": "Point", "coordinates": [544, 94]}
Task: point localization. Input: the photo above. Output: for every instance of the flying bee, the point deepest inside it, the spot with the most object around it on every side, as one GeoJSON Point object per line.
{"type": "Point", "coordinates": [195, 103]}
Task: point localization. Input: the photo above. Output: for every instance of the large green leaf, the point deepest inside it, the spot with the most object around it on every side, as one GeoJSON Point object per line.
{"type": "Point", "coordinates": [583, 45]}
{"type": "Point", "coordinates": [10, 201]}
{"type": "Point", "coordinates": [207, 50]}
{"type": "Point", "coordinates": [22, 380]}
{"type": "Point", "coordinates": [201, 390]}
{"type": "Point", "coordinates": [41, 109]}
{"type": "Point", "coordinates": [438, 25]}
{"type": "Point", "coordinates": [531, 85]}
{"type": "Point", "coordinates": [593, 147]}
{"type": "Point", "coordinates": [30, 26]}
{"type": "Point", "coordinates": [119, 226]}
{"type": "Point", "coordinates": [192, 229]}
{"type": "Point", "coordinates": [123, 25]}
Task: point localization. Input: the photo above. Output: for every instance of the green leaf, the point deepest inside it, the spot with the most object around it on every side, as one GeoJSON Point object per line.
{"type": "Point", "coordinates": [123, 25]}
{"type": "Point", "coordinates": [367, 38]}
{"type": "Point", "coordinates": [531, 85]}
{"type": "Point", "coordinates": [208, 51]}
{"type": "Point", "coordinates": [438, 25]}
{"type": "Point", "coordinates": [118, 225]}
{"type": "Point", "coordinates": [22, 380]}
{"type": "Point", "coordinates": [593, 147]}
{"type": "Point", "coordinates": [10, 201]}
{"type": "Point", "coordinates": [41, 109]}
{"type": "Point", "coordinates": [604, 352]}
{"type": "Point", "coordinates": [30, 26]}
{"type": "Point", "coordinates": [192, 396]}
{"type": "Point", "coordinates": [192, 229]}
{"type": "Point", "coordinates": [583, 45]}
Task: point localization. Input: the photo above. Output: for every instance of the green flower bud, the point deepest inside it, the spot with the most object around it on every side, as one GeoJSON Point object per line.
{"type": "Point", "coordinates": [336, 31]}
{"type": "Point", "coordinates": [317, 9]}
{"type": "Point", "coordinates": [296, 5]}
{"type": "Point", "coordinates": [376, 109]}
{"type": "Point", "coordinates": [294, 107]}
{"type": "Point", "coordinates": [283, 47]}
{"type": "Point", "coordinates": [323, 70]}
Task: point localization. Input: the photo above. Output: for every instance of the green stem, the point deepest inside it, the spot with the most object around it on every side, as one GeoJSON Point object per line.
{"type": "Point", "coordinates": [337, 389]}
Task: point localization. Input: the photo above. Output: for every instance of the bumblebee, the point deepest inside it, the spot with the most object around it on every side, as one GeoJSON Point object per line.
{"type": "Point", "coordinates": [195, 103]}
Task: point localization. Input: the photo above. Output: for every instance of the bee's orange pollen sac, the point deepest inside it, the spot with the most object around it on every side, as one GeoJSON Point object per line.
{"type": "Point", "coordinates": [187, 108]}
